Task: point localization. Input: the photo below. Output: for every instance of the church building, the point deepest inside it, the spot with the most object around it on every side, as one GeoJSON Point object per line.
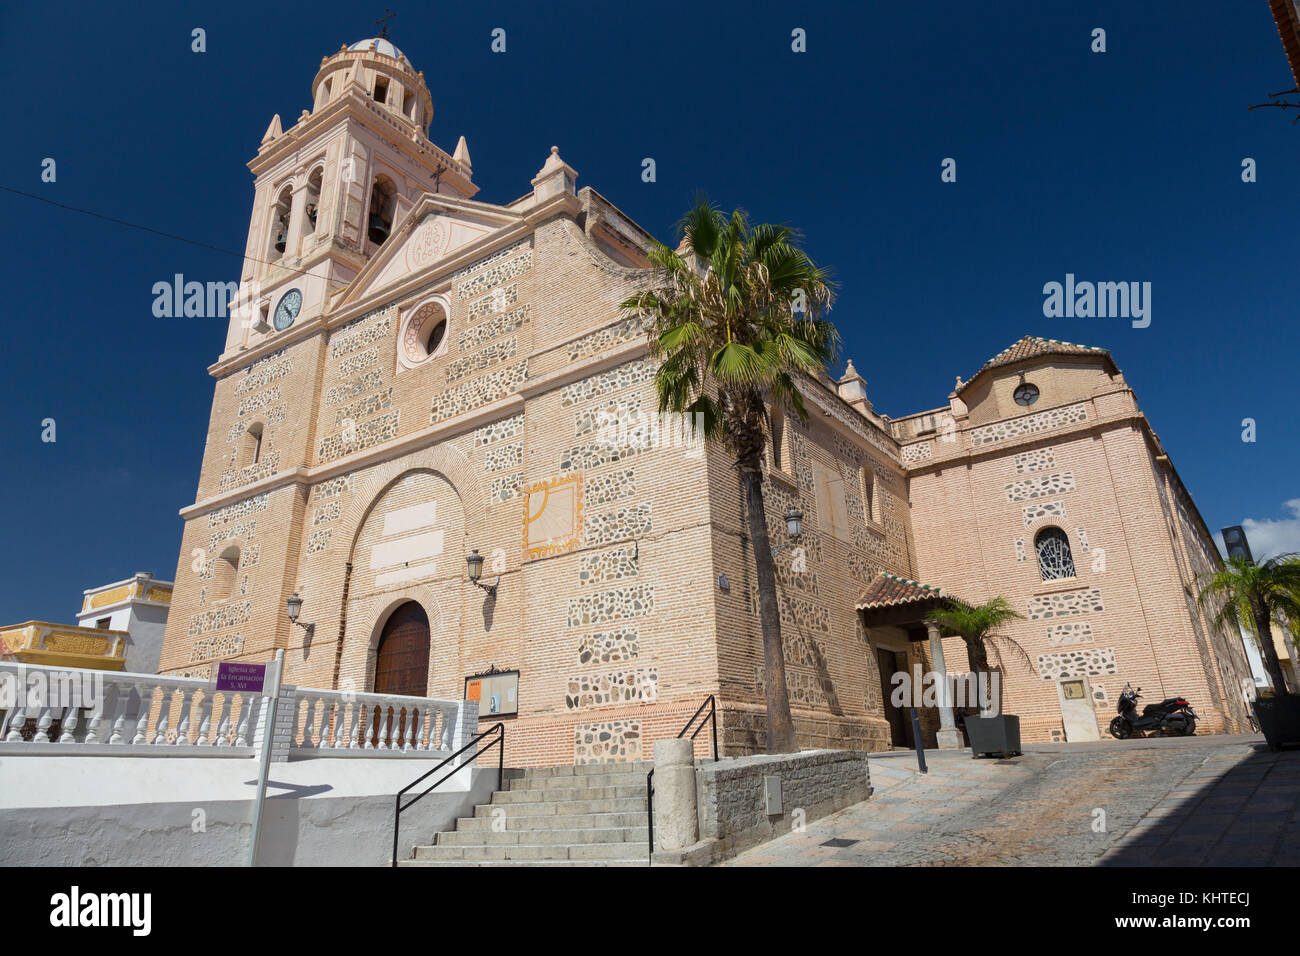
{"type": "Point", "coordinates": [433, 424]}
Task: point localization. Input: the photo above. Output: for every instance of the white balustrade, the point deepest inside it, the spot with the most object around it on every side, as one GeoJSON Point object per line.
{"type": "Point", "coordinates": [331, 721]}
{"type": "Point", "coordinates": [114, 713]}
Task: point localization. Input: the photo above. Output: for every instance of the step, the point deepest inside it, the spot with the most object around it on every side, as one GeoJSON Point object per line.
{"type": "Point", "coordinates": [566, 837]}
{"type": "Point", "coordinates": [569, 794]}
{"type": "Point", "coordinates": [590, 781]}
{"type": "Point", "coordinates": [521, 820]}
{"type": "Point", "coordinates": [568, 807]}
{"type": "Point", "coordinates": [531, 851]}
{"type": "Point", "coordinates": [637, 861]}
{"type": "Point", "coordinates": [642, 767]}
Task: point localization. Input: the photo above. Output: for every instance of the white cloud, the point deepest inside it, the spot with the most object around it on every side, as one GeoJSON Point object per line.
{"type": "Point", "coordinates": [1269, 537]}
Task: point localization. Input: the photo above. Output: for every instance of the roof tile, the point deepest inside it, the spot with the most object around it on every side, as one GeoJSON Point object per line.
{"type": "Point", "coordinates": [890, 590]}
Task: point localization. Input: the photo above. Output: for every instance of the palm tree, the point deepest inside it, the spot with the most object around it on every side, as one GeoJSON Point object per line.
{"type": "Point", "coordinates": [735, 317]}
{"type": "Point", "coordinates": [979, 627]}
{"type": "Point", "coordinates": [1254, 595]}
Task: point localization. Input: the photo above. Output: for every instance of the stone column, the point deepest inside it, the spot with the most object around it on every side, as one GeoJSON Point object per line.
{"type": "Point", "coordinates": [949, 738]}
{"type": "Point", "coordinates": [297, 214]}
{"type": "Point", "coordinates": [676, 818]}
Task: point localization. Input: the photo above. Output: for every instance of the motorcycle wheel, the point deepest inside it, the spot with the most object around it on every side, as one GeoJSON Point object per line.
{"type": "Point", "coordinates": [1121, 729]}
{"type": "Point", "coordinates": [1189, 730]}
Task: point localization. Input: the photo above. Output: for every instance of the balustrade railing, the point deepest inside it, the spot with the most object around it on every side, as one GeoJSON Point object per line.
{"type": "Point", "coordinates": [330, 720]}
{"type": "Point", "coordinates": [82, 711]}
{"type": "Point", "coordinates": [86, 709]}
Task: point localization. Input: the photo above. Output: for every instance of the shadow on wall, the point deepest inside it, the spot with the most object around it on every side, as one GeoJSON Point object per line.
{"type": "Point", "coordinates": [301, 827]}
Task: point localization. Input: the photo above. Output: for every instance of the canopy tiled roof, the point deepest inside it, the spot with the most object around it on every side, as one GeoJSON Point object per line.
{"type": "Point", "coordinates": [1288, 28]}
{"type": "Point", "coordinates": [1032, 346]}
{"type": "Point", "coordinates": [889, 590]}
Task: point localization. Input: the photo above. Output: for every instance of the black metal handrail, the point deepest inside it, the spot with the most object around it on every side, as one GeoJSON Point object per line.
{"type": "Point", "coordinates": [712, 716]}
{"type": "Point", "coordinates": [500, 741]}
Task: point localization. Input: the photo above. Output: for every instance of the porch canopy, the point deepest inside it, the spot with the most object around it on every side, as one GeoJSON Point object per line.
{"type": "Point", "coordinates": [893, 601]}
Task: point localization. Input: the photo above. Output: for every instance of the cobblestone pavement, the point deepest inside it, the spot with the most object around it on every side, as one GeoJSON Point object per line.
{"type": "Point", "coordinates": [1189, 801]}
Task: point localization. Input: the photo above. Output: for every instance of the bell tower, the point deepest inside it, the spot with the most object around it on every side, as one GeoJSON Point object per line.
{"type": "Point", "coordinates": [331, 188]}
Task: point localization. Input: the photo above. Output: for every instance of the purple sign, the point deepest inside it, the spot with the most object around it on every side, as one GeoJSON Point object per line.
{"type": "Point", "coordinates": [239, 677]}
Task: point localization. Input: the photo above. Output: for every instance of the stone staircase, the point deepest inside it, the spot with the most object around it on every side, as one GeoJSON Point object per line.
{"type": "Point", "coordinates": [590, 815]}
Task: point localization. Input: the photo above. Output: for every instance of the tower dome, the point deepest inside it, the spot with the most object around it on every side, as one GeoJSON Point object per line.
{"type": "Point", "coordinates": [378, 45]}
{"type": "Point", "coordinates": [381, 71]}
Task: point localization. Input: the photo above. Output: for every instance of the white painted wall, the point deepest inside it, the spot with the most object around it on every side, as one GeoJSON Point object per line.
{"type": "Point", "coordinates": [144, 650]}
{"type": "Point", "coordinates": [146, 811]}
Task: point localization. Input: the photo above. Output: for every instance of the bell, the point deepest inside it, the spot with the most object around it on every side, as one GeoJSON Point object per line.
{"type": "Point", "coordinates": [279, 240]}
{"type": "Point", "coordinates": [311, 214]}
{"type": "Point", "coordinates": [378, 230]}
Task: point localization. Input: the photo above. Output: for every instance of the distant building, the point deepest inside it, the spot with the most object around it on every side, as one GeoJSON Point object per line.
{"type": "Point", "coordinates": [137, 606]}
{"type": "Point", "coordinates": [119, 628]}
{"type": "Point", "coordinates": [1286, 657]}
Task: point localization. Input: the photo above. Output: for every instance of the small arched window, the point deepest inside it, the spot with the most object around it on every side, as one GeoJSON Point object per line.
{"type": "Point", "coordinates": [223, 574]}
{"type": "Point", "coordinates": [250, 445]}
{"type": "Point", "coordinates": [780, 447]}
{"type": "Point", "coordinates": [870, 495]}
{"type": "Point", "coordinates": [1054, 558]}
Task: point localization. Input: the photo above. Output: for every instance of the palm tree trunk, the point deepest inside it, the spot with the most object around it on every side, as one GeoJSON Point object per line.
{"type": "Point", "coordinates": [1269, 653]}
{"type": "Point", "coordinates": [977, 656]}
{"type": "Point", "coordinates": [780, 725]}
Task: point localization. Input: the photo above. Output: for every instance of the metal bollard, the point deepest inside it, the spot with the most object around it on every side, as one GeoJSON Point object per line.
{"type": "Point", "coordinates": [916, 736]}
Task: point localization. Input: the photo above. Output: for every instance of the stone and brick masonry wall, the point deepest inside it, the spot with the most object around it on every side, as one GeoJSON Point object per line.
{"type": "Point", "coordinates": [1125, 615]}
{"type": "Point", "coordinates": [831, 671]}
{"type": "Point", "coordinates": [732, 812]}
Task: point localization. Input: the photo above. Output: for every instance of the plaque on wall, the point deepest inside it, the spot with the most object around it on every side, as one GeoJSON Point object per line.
{"type": "Point", "coordinates": [497, 693]}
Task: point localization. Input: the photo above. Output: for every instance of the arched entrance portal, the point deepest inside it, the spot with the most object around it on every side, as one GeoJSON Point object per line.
{"type": "Point", "coordinates": [401, 667]}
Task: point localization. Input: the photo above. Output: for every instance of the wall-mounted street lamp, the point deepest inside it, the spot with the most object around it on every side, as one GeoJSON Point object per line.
{"type": "Point", "coordinates": [293, 606]}
{"type": "Point", "coordinates": [474, 561]}
{"type": "Point", "coordinates": [793, 527]}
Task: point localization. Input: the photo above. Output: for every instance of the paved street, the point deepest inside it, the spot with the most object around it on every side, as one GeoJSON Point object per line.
{"type": "Point", "coordinates": [1217, 800]}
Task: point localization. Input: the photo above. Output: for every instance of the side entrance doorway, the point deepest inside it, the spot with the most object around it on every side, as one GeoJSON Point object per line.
{"type": "Point", "coordinates": [900, 725]}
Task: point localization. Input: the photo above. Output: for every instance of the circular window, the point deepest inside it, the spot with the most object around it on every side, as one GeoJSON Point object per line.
{"type": "Point", "coordinates": [424, 333]}
{"type": "Point", "coordinates": [1026, 394]}
{"type": "Point", "coordinates": [434, 336]}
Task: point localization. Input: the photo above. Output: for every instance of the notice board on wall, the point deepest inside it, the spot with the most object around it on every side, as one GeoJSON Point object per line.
{"type": "Point", "coordinates": [497, 693]}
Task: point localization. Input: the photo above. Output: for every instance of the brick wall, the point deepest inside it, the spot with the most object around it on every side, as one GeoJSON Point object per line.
{"type": "Point", "coordinates": [1090, 466]}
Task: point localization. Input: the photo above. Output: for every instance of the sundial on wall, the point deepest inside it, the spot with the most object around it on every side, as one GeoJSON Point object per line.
{"type": "Point", "coordinates": [287, 310]}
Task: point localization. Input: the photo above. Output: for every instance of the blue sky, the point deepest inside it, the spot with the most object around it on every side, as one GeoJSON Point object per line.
{"type": "Point", "coordinates": [1117, 166]}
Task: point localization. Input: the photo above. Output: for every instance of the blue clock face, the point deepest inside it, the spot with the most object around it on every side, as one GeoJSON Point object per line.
{"type": "Point", "coordinates": [287, 310]}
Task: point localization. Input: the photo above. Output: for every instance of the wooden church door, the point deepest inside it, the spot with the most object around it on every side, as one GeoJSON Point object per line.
{"type": "Point", "coordinates": [401, 665]}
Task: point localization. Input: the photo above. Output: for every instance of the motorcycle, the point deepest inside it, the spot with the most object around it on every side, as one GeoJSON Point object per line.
{"type": "Point", "coordinates": [1172, 717]}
